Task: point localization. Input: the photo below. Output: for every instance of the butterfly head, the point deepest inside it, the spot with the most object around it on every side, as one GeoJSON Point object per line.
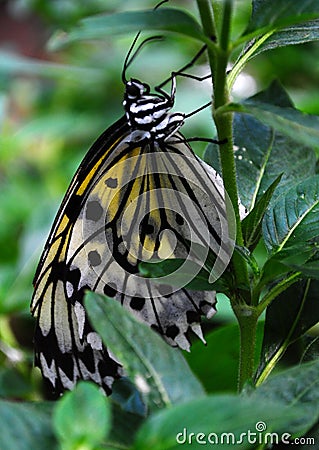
{"type": "Point", "coordinates": [135, 90]}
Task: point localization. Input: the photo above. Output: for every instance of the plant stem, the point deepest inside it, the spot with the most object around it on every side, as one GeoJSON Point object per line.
{"type": "Point", "coordinates": [247, 319]}
{"type": "Point", "coordinates": [206, 16]}
{"type": "Point", "coordinates": [224, 125]}
{"type": "Point", "coordinates": [218, 59]}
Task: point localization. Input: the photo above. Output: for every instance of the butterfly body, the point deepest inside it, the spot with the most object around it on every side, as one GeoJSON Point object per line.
{"type": "Point", "coordinates": [150, 112]}
{"type": "Point", "coordinates": [139, 194]}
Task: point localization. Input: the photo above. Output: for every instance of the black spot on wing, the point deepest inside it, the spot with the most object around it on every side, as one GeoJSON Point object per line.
{"type": "Point", "coordinates": [172, 331]}
{"type": "Point", "coordinates": [137, 303]}
{"type": "Point", "coordinates": [94, 258]}
{"type": "Point", "coordinates": [110, 289]}
{"type": "Point", "coordinates": [94, 211]}
{"type": "Point", "coordinates": [193, 317]}
{"type": "Point", "coordinates": [111, 183]}
{"type": "Point", "coordinates": [179, 219]}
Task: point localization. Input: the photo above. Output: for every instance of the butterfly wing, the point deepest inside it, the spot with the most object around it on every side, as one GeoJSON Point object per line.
{"type": "Point", "coordinates": [131, 200]}
{"type": "Point", "coordinates": [66, 347]}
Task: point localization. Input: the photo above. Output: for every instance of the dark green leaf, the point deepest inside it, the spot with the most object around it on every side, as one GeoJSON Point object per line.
{"type": "Point", "coordinates": [213, 416]}
{"type": "Point", "coordinates": [124, 427]}
{"type": "Point", "coordinates": [310, 438]}
{"type": "Point", "coordinates": [82, 417]}
{"type": "Point", "coordinates": [157, 374]}
{"type": "Point", "coordinates": [248, 257]}
{"type": "Point", "coordinates": [26, 426]}
{"type": "Point", "coordinates": [293, 217]}
{"type": "Point", "coordinates": [102, 26]}
{"type": "Point", "coordinates": [218, 369]}
{"type": "Point", "coordinates": [312, 349]}
{"type": "Point", "coordinates": [262, 155]}
{"type": "Point", "coordinates": [288, 317]}
{"type": "Point", "coordinates": [12, 384]}
{"type": "Point", "coordinates": [300, 127]}
{"type": "Point", "coordinates": [252, 224]}
{"type": "Point", "coordinates": [291, 258]}
{"type": "Point", "coordinates": [182, 273]}
{"type": "Point", "coordinates": [310, 269]}
{"type": "Point", "coordinates": [274, 14]}
{"type": "Point", "coordinates": [125, 393]}
{"type": "Point", "coordinates": [298, 388]}
{"type": "Point", "coordinates": [275, 94]}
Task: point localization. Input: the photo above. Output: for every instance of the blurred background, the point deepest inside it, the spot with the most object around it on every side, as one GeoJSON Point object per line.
{"type": "Point", "coordinates": [53, 105]}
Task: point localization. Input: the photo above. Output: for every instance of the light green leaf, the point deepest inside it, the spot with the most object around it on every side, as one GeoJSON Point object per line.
{"type": "Point", "coordinates": [202, 422]}
{"type": "Point", "coordinates": [294, 35]}
{"type": "Point", "coordinates": [13, 64]}
{"type": "Point", "coordinates": [82, 418]}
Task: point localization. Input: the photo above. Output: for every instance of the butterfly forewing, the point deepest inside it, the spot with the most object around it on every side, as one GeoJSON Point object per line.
{"type": "Point", "coordinates": [140, 194]}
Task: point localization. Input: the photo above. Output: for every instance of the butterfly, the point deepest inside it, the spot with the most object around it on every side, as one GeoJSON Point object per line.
{"type": "Point", "coordinates": [140, 194]}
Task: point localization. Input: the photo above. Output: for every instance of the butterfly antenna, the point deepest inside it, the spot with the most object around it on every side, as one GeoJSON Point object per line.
{"type": "Point", "coordinates": [130, 57]}
{"type": "Point", "coordinates": [160, 4]}
{"type": "Point", "coordinates": [180, 72]}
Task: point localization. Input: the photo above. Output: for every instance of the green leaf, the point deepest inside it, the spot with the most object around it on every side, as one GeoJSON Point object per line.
{"type": "Point", "coordinates": [13, 64]}
{"type": "Point", "coordinates": [248, 258]}
{"type": "Point", "coordinates": [309, 269]}
{"type": "Point", "coordinates": [26, 426]}
{"type": "Point", "coordinates": [202, 421]}
{"type": "Point", "coordinates": [262, 155]}
{"type": "Point", "coordinates": [156, 373]}
{"type": "Point", "coordinates": [300, 127]}
{"type": "Point", "coordinates": [312, 349]}
{"type": "Point", "coordinates": [82, 418]}
{"type": "Point", "coordinates": [13, 384]}
{"type": "Point", "coordinates": [294, 35]}
{"type": "Point", "coordinates": [293, 257]}
{"type": "Point", "coordinates": [298, 388]}
{"type": "Point", "coordinates": [124, 427]}
{"type": "Point", "coordinates": [218, 370]}
{"type": "Point", "coordinates": [128, 397]}
{"type": "Point", "coordinates": [274, 14]}
{"type": "Point", "coordinates": [293, 218]}
{"type": "Point", "coordinates": [288, 317]}
{"type": "Point", "coordinates": [103, 26]}
{"type": "Point", "coordinates": [252, 223]}
{"type": "Point", "coordinates": [181, 272]}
